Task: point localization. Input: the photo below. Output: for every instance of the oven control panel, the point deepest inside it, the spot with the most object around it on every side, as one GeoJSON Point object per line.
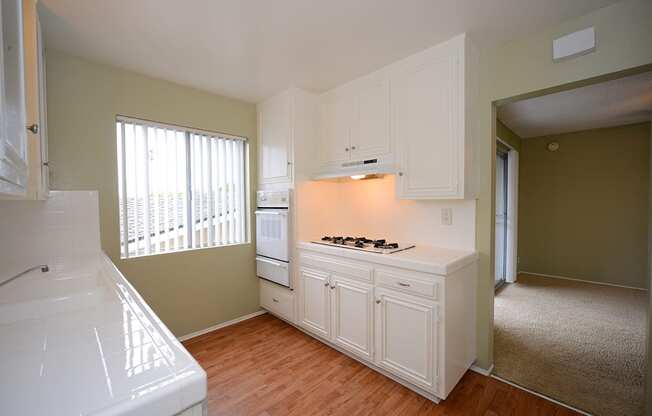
{"type": "Point", "coordinates": [273, 199]}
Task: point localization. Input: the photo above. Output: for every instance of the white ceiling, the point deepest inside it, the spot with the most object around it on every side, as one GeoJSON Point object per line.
{"type": "Point", "coordinates": [251, 49]}
{"type": "Point", "coordinates": [613, 103]}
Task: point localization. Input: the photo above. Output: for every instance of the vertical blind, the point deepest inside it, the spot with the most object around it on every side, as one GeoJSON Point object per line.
{"type": "Point", "coordinates": [179, 188]}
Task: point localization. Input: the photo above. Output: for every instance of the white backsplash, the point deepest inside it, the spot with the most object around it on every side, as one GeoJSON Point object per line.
{"type": "Point", "coordinates": [370, 208]}
{"type": "Point", "coordinates": [46, 232]}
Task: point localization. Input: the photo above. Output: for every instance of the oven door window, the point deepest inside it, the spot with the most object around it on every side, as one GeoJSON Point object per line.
{"type": "Point", "coordinates": [272, 233]}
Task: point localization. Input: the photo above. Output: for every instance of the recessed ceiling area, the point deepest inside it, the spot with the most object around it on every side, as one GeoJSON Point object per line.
{"type": "Point", "coordinates": [613, 103]}
{"type": "Point", "coordinates": [252, 49]}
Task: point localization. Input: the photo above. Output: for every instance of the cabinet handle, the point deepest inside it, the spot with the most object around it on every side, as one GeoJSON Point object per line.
{"type": "Point", "coordinates": [403, 284]}
{"type": "Point", "coordinates": [400, 174]}
{"type": "Point", "coordinates": [332, 287]}
{"type": "Point", "coordinates": [275, 300]}
{"type": "Point", "coordinates": [346, 149]}
{"type": "Point", "coordinates": [378, 301]}
{"type": "Point", "coordinates": [33, 128]}
{"type": "Point", "coordinates": [352, 147]}
{"type": "Point", "coordinates": [326, 284]}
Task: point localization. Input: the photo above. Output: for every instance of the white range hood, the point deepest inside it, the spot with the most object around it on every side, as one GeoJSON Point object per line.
{"type": "Point", "coordinates": [360, 168]}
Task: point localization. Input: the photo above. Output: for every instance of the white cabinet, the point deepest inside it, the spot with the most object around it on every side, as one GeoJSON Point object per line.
{"type": "Point", "coordinates": [286, 125]}
{"type": "Point", "coordinates": [23, 133]}
{"type": "Point", "coordinates": [275, 140]}
{"type": "Point", "coordinates": [352, 315]}
{"type": "Point", "coordinates": [13, 135]}
{"type": "Point", "coordinates": [406, 331]}
{"type": "Point", "coordinates": [433, 94]}
{"type": "Point", "coordinates": [339, 309]}
{"type": "Point", "coordinates": [370, 135]}
{"type": "Point", "coordinates": [277, 299]}
{"type": "Point", "coordinates": [315, 304]}
{"type": "Point", "coordinates": [416, 326]}
{"type": "Point", "coordinates": [354, 121]}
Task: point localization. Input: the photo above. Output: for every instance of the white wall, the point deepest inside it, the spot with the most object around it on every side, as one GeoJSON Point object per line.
{"type": "Point", "coordinates": [370, 208]}
{"type": "Point", "coordinates": [48, 232]}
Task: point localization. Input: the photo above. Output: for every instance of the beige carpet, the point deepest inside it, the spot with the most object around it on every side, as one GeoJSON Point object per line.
{"type": "Point", "coordinates": [582, 344]}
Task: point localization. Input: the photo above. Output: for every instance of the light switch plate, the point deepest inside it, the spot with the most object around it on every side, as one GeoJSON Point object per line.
{"type": "Point", "coordinates": [447, 216]}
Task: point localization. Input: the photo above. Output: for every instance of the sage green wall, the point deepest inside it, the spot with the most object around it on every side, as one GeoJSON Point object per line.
{"type": "Point", "coordinates": [189, 290]}
{"type": "Point", "coordinates": [508, 136]}
{"type": "Point", "coordinates": [523, 66]}
{"type": "Point", "coordinates": [583, 210]}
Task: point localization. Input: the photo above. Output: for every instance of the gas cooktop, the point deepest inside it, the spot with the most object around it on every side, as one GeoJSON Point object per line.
{"type": "Point", "coordinates": [364, 244]}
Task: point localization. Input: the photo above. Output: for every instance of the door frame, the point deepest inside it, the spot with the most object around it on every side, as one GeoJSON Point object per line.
{"type": "Point", "coordinates": [511, 255]}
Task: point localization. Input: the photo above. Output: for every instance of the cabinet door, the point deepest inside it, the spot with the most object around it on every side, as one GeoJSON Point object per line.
{"type": "Point", "coordinates": [275, 145]}
{"type": "Point", "coordinates": [13, 139]}
{"type": "Point", "coordinates": [427, 124]}
{"type": "Point", "coordinates": [370, 135]}
{"type": "Point", "coordinates": [315, 304]}
{"type": "Point", "coordinates": [352, 316]}
{"type": "Point", "coordinates": [335, 122]}
{"type": "Point", "coordinates": [406, 335]}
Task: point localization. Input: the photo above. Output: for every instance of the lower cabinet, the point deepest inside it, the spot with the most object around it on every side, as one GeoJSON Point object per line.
{"type": "Point", "coordinates": [396, 331]}
{"type": "Point", "coordinates": [406, 337]}
{"type": "Point", "coordinates": [352, 314]}
{"type": "Point", "coordinates": [314, 304]}
{"type": "Point", "coordinates": [276, 299]}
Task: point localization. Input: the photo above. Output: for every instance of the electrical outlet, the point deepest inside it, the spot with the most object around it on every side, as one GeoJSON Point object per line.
{"type": "Point", "coordinates": [447, 216]}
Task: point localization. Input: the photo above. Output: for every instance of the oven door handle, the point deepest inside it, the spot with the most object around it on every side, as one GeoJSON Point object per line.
{"type": "Point", "coordinates": [272, 262]}
{"type": "Point", "coordinates": [269, 213]}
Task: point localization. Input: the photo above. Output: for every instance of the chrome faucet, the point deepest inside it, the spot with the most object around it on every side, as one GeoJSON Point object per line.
{"type": "Point", "coordinates": [44, 268]}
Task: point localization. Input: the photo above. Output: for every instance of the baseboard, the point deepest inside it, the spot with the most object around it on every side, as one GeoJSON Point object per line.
{"type": "Point", "coordinates": [482, 371]}
{"type": "Point", "coordinates": [582, 280]}
{"type": "Point", "coordinates": [219, 326]}
{"type": "Point", "coordinates": [543, 396]}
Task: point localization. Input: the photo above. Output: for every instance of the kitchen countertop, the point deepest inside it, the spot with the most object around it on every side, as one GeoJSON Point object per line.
{"type": "Point", "coordinates": [79, 340]}
{"type": "Point", "coordinates": [427, 259]}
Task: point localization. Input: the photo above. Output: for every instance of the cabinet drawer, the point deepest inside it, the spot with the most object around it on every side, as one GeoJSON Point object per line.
{"type": "Point", "coordinates": [414, 283]}
{"type": "Point", "coordinates": [346, 267]}
{"type": "Point", "coordinates": [277, 300]}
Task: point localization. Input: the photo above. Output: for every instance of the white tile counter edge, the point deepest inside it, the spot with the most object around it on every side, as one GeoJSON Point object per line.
{"type": "Point", "coordinates": [426, 259]}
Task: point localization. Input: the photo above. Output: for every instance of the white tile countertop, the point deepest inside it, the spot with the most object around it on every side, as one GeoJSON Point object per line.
{"type": "Point", "coordinates": [79, 340]}
{"type": "Point", "coordinates": [427, 259]}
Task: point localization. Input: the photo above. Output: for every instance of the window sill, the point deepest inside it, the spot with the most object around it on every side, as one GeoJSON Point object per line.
{"type": "Point", "coordinates": [188, 250]}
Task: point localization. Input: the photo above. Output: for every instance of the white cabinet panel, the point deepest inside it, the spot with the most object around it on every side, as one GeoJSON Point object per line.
{"type": "Point", "coordinates": [406, 337]}
{"type": "Point", "coordinates": [13, 135]}
{"type": "Point", "coordinates": [315, 305]}
{"type": "Point", "coordinates": [274, 118]}
{"type": "Point", "coordinates": [427, 123]}
{"type": "Point", "coordinates": [335, 139]}
{"type": "Point", "coordinates": [370, 128]}
{"type": "Point", "coordinates": [352, 316]}
{"type": "Point", "coordinates": [277, 299]}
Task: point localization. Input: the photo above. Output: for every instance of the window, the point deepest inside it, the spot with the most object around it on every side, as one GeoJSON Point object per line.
{"type": "Point", "coordinates": [179, 188]}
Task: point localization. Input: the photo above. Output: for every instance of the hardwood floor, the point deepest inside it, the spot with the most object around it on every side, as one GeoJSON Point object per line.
{"type": "Point", "coordinates": [263, 366]}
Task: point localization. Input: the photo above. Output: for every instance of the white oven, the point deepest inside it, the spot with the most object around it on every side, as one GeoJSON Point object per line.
{"type": "Point", "coordinates": [273, 236]}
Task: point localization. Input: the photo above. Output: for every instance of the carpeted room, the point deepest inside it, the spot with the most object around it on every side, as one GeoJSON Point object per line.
{"type": "Point", "coordinates": [571, 322]}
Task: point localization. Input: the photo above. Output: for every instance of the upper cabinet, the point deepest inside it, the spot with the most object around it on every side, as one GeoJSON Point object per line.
{"type": "Point", "coordinates": [23, 142]}
{"type": "Point", "coordinates": [433, 97]}
{"type": "Point", "coordinates": [285, 143]}
{"type": "Point", "coordinates": [354, 121]}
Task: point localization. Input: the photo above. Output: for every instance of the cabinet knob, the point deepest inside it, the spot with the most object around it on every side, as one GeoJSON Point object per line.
{"type": "Point", "coordinates": [33, 128]}
{"type": "Point", "coordinates": [275, 300]}
{"type": "Point", "coordinates": [346, 149]}
{"type": "Point", "coordinates": [378, 301]}
{"type": "Point", "coordinates": [400, 174]}
{"type": "Point", "coordinates": [352, 147]}
{"type": "Point", "coordinates": [332, 287]}
{"type": "Point", "coordinates": [326, 284]}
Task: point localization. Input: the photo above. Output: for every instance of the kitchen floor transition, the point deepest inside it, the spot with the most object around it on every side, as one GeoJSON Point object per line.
{"type": "Point", "coordinates": [263, 366]}
{"type": "Point", "coordinates": [580, 343]}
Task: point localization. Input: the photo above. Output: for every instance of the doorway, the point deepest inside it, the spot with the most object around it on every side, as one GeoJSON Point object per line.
{"type": "Point", "coordinates": [501, 214]}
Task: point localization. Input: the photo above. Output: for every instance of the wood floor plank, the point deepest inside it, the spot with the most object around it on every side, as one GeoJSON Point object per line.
{"type": "Point", "coordinates": [265, 367]}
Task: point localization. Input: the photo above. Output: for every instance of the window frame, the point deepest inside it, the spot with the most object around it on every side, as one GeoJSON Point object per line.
{"type": "Point", "coordinates": [187, 131]}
